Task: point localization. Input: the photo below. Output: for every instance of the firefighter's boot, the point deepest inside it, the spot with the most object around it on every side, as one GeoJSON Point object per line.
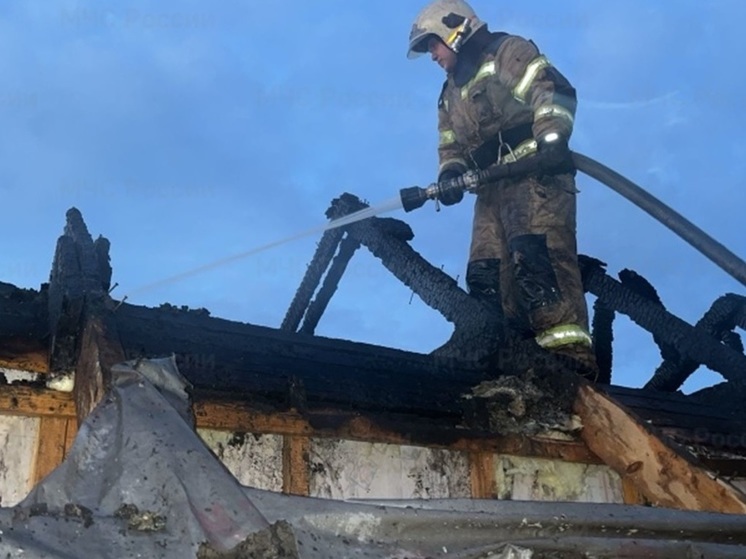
{"type": "Point", "coordinates": [580, 354]}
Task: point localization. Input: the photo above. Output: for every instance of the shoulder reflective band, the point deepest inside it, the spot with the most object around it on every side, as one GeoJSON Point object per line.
{"type": "Point", "coordinates": [486, 69]}
{"type": "Point", "coordinates": [447, 137]}
{"type": "Point", "coordinates": [554, 111]}
{"type": "Point", "coordinates": [564, 334]}
{"type": "Point", "coordinates": [532, 70]}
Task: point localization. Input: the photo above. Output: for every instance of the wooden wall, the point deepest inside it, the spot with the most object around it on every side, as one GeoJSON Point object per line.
{"type": "Point", "coordinates": [352, 459]}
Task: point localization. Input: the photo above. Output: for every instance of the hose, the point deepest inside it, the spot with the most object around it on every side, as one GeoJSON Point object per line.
{"type": "Point", "coordinates": [731, 263]}
{"type": "Point", "coordinates": [716, 252]}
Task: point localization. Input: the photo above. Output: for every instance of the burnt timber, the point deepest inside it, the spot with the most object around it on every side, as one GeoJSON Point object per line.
{"type": "Point", "coordinates": [72, 324]}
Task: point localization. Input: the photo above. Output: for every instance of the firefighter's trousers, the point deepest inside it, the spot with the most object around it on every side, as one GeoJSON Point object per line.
{"type": "Point", "coordinates": [526, 228]}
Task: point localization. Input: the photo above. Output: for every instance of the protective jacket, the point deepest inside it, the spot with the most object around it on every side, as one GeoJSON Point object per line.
{"type": "Point", "coordinates": [502, 97]}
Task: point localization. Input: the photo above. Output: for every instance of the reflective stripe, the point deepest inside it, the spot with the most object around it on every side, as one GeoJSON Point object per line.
{"type": "Point", "coordinates": [522, 150]}
{"type": "Point", "coordinates": [564, 334]}
{"type": "Point", "coordinates": [532, 70]}
{"type": "Point", "coordinates": [487, 69]}
{"type": "Point", "coordinates": [556, 111]}
{"type": "Point", "coordinates": [447, 137]}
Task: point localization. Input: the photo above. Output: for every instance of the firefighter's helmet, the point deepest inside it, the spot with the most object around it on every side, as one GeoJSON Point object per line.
{"type": "Point", "coordinates": [453, 21]}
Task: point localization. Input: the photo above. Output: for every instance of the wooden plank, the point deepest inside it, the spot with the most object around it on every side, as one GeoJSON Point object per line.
{"type": "Point", "coordinates": [24, 354]}
{"type": "Point", "coordinates": [16, 399]}
{"type": "Point", "coordinates": [665, 476]}
{"type": "Point", "coordinates": [482, 470]}
{"type": "Point", "coordinates": [232, 416]}
{"type": "Point", "coordinates": [295, 466]}
{"type": "Point", "coordinates": [99, 351]}
{"type": "Point", "coordinates": [238, 416]}
{"type": "Point", "coordinates": [50, 449]}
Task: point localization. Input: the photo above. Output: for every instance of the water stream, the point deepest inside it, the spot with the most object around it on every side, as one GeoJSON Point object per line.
{"type": "Point", "coordinates": [384, 207]}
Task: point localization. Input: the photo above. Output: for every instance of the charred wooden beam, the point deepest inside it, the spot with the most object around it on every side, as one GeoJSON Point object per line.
{"type": "Point", "coordinates": [338, 266]}
{"type": "Point", "coordinates": [690, 342]}
{"type": "Point", "coordinates": [259, 362]}
{"type": "Point", "coordinates": [22, 312]}
{"type": "Point", "coordinates": [315, 271]}
{"type": "Point", "coordinates": [603, 337]}
{"type": "Point", "coordinates": [718, 322]}
{"type": "Point", "coordinates": [23, 330]}
{"type": "Point", "coordinates": [76, 275]}
{"type": "Point", "coordinates": [84, 338]}
{"type": "Point", "coordinates": [100, 350]}
{"type": "Point", "coordinates": [688, 421]}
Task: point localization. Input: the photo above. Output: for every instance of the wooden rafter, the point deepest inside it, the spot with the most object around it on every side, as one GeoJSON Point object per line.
{"type": "Point", "coordinates": [665, 475]}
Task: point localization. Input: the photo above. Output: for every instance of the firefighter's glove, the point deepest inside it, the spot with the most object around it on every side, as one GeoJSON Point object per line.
{"type": "Point", "coordinates": [555, 154]}
{"type": "Point", "coordinates": [450, 196]}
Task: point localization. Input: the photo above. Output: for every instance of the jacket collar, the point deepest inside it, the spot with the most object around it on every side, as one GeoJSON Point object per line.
{"type": "Point", "coordinates": [470, 56]}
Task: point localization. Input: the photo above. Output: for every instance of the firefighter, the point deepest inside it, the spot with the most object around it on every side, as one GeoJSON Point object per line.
{"type": "Point", "coordinates": [503, 101]}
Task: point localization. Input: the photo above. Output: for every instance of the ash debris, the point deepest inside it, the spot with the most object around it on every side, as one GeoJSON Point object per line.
{"type": "Point", "coordinates": [275, 542]}
{"type": "Point", "coordinates": [69, 512]}
{"type": "Point", "coordinates": [141, 521]}
{"type": "Point", "coordinates": [522, 404]}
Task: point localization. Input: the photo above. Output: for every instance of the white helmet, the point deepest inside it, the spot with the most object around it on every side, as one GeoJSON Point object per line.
{"type": "Point", "coordinates": [453, 21]}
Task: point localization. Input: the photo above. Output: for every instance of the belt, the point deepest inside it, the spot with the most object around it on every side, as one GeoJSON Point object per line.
{"type": "Point", "coordinates": [522, 150]}
{"type": "Point", "coordinates": [506, 146]}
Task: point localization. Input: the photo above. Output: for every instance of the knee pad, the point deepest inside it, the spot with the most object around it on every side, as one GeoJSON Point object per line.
{"type": "Point", "coordinates": [534, 273]}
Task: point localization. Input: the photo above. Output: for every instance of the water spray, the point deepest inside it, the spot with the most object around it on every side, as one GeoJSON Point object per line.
{"type": "Point", "coordinates": [384, 207]}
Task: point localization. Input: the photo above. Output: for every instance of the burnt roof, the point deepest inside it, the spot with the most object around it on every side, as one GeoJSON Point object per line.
{"type": "Point", "coordinates": [285, 368]}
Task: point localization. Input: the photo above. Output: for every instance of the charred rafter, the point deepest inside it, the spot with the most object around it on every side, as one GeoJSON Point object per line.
{"type": "Point", "coordinates": [603, 338]}
{"type": "Point", "coordinates": [692, 344]}
{"type": "Point", "coordinates": [315, 271]}
{"type": "Point", "coordinates": [718, 322]}
{"type": "Point", "coordinates": [301, 304]}
{"type": "Point", "coordinates": [347, 248]}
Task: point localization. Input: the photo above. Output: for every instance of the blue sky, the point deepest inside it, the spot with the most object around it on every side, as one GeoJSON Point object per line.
{"type": "Point", "coordinates": [188, 131]}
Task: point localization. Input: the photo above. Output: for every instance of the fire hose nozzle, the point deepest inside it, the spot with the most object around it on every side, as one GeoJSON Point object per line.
{"type": "Point", "coordinates": [415, 197]}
